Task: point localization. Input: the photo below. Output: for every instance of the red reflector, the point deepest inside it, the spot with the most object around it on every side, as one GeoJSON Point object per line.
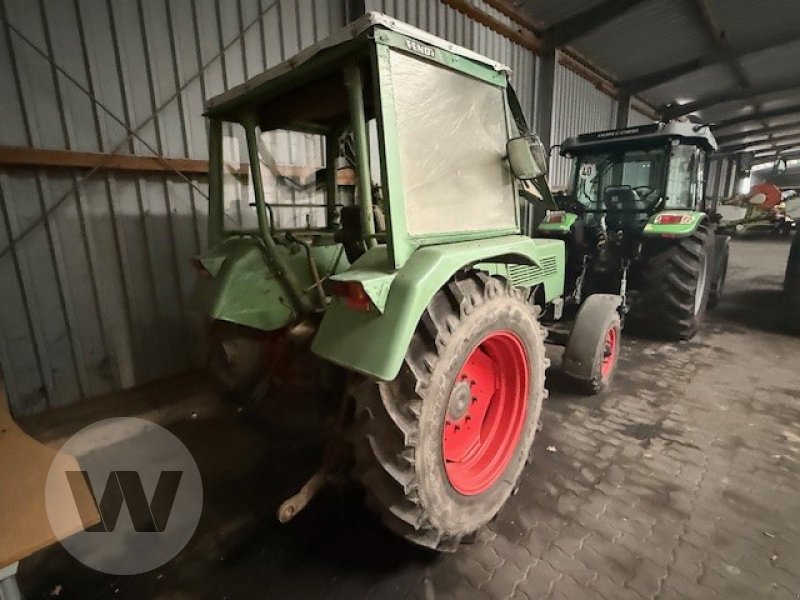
{"type": "Point", "coordinates": [352, 294]}
{"type": "Point", "coordinates": [672, 219]}
{"type": "Point", "coordinates": [197, 265]}
{"type": "Point", "coordinates": [555, 217]}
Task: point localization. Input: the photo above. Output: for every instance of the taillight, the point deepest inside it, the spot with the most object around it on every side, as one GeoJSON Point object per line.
{"type": "Point", "coordinates": [352, 294]}
{"type": "Point", "coordinates": [557, 216]}
{"type": "Point", "coordinates": [197, 265]}
{"type": "Point", "coordinates": [672, 219]}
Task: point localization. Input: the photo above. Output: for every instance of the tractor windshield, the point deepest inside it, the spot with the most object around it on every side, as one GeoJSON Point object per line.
{"type": "Point", "coordinates": [628, 181]}
{"type": "Point", "coordinates": [292, 168]}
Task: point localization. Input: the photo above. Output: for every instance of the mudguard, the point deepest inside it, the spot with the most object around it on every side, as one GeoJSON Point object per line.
{"type": "Point", "coordinates": [721, 248]}
{"type": "Point", "coordinates": [690, 221]}
{"type": "Point", "coordinates": [374, 342]}
{"type": "Point", "coordinates": [237, 284]}
{"type": "Point", "coordinates": [588, 331]}
{"type": "Point", "coordinates": [562, 226]}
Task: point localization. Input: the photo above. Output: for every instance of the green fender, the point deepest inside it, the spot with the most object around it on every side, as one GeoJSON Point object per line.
{"type": "Point", "coordinates": [560, 227]}
{"type": "Point", "coordinates": [240, 287]}
{"type": "Point", "coordinates": [691, 220]}
{"type": "Point", "coordinates": [374, 342]}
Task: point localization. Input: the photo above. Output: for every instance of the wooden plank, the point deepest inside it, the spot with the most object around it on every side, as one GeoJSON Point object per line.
{"type": "Point", "coordinates": [18, 157]}
{"type": "Point", "coordinates": [24, 463]}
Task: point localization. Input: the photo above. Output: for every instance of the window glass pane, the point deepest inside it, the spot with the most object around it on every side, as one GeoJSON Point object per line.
{"type": "Point", "coordinates": [293, 173]}
{"type": "Point", "coordinates": [681, 184]}
{"type": "Point", "coordinates": [452, 135]}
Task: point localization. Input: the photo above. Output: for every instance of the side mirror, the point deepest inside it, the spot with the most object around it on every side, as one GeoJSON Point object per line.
{"type": "Point", "coordinates": [527, 157]}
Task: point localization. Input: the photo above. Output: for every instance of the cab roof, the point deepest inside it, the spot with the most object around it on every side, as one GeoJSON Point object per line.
{"type": "Point", "coordinates": [307, 58]}
{"type": "Point", "coordinates": [600, 141]}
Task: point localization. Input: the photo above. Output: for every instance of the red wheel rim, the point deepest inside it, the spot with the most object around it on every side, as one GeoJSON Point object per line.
{"type": "Point", "coordinates": [609, 353]}
{"type": "Point", "coordinates": [486, 413]}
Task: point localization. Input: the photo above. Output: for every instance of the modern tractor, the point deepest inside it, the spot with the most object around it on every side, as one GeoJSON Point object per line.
{"type": "Point", "coordinates": [636, 222]}
{"type": "Point", "coordinates": [366, 193]}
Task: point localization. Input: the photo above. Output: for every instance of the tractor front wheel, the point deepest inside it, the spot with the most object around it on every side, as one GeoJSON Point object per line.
{"type": "Point", "coordinates": [676, 283]}
{"type": "Point", "coordinates": [442, 446]}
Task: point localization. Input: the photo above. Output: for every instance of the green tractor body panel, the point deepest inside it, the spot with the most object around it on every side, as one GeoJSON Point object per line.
{"type": "Point", "coordinates": [375, 342]}
{"type": "Point", "coordinates": [239, 286]}
{"type": "Point", "coordinates": [568, 219]}
{"type": "Point", "coordinates": [690, 220]}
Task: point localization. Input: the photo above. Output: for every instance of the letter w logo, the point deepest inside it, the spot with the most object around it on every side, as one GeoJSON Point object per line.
{"type": "Point", "coordinates": [126, 486]}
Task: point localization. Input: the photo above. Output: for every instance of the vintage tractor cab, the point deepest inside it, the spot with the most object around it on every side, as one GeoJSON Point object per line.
{"type": "Point", "coordinates": [366, 192]}
{"type": "Point", "coordinates": [637, 222]}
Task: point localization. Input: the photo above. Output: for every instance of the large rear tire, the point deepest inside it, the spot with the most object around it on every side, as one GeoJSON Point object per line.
{"type": "Point", "coordinates": [676, 283]}
{"type": "Point", "coordinates": [442, 446]}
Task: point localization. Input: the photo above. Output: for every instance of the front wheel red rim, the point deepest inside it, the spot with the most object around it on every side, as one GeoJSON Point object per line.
{"type": "Point", "coordinates": [609, 353]}
{"type": "Point", "coordinates": [486, 413]}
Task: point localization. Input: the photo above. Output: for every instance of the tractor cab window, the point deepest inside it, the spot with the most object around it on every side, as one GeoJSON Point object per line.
{"type": "Point", "coordinates": [683, 175]}
{"type": "Point", "coordinates": [629, 181]}
{"type": "Point", "coordinates": [292, 166]}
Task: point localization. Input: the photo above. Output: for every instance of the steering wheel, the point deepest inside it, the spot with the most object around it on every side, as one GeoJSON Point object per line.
{"type": "Point", "coordinates": [643, 190]}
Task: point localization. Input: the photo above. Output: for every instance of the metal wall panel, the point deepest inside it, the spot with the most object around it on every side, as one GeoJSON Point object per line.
{"type": "Point", "coordinates": [635, 118]}
{"type": "Point", "coordinates": [92, 297]}
{"type": "Point", "coordinates": [578, 107]}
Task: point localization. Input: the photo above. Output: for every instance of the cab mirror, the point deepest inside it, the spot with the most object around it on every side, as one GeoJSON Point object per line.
{"type": "Point", "coordinates": [527, 157]}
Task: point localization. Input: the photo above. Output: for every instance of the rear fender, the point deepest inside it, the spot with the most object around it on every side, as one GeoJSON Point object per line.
{"type": "Point", "coordinates": [562, 226]}
{"type": "Point", "coordinates": [690, 221]}
{"type": "Point", "coordinates": [588, 330]}
{"type": "Point", "coordinates": [237, 285]}
{"type": "Point", "coordinates": [375, 342]}
{"type": "Point", "coordinates": [722, 244]}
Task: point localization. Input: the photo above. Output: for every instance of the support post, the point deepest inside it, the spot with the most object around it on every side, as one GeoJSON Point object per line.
{"type": "Point", "coordinates": [275, 260]}
{"type": "Point", "coordinates": [543, 98]}
{"type": "Point", "coordinates": [623, 110]}
{"type": "Point", "coordinates": [355, 93]}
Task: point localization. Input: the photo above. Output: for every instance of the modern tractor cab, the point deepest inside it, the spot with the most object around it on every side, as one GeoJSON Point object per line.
{"type": "Point", "coordinates": [630, 175]}
{"type": "Point", "coordinates": [637, 194]}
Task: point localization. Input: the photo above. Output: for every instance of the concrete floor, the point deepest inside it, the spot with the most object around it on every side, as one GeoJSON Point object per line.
{"type": "Point", "coordinates": [682, 482]}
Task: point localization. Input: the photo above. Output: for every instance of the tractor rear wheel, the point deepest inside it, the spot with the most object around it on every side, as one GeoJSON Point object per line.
{"type": "Point", "coordinates": [676, 283]}
{"type": "Point", "coordinates": [442, 446]}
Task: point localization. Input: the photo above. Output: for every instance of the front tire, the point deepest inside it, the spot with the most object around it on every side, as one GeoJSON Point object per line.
{"type": "Point", "coordinates": [676, 283]}
{"type": "Point", "coordinates": [442, 446]}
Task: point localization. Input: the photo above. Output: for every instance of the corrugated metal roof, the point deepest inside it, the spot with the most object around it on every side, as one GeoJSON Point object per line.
{"type": "Point", "coordinates": [653, 35]}
{"type": "Point", "coordinates": [741, 20]}
{"type": "Point", "coordinates": [692, 86]}
{"type": "Point", "coordinates": [775, 65]}
{"type": "Point", "coordinates": [549, 12]}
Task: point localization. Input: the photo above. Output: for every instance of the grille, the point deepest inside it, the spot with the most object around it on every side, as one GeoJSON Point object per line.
{"type": "Point", "coordinates": [527, 275]}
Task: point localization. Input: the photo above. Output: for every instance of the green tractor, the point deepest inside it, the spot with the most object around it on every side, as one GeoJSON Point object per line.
{"type": "Point", "coordinates": [366, 194]}
{"type": "Point", "coordinates": [791, 285]}
{"type": "Point", "coordinates": [637, 222]}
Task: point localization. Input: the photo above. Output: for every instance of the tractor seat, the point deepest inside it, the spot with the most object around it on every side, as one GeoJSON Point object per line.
{"type": "Point", "coordinates": [625, 206]}
{"type": "Point", "coordinates": [622, 197]}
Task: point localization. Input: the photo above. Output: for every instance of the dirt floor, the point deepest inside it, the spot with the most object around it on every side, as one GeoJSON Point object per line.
{"type": "Point", "coordinates": [682, 482]}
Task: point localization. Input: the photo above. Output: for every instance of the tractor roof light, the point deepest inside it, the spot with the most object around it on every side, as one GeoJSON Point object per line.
{"type": "Point", "coordinates": [672, 219]}
{"type": "Point", "coordinates": [352, 293]}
